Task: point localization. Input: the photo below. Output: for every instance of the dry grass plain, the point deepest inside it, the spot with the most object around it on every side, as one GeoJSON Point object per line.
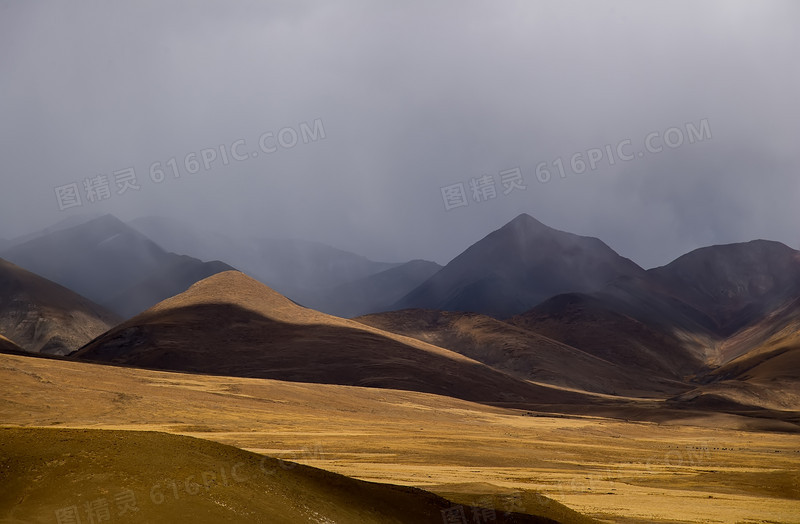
{"type": "Point", "coordinates": [614, 471]}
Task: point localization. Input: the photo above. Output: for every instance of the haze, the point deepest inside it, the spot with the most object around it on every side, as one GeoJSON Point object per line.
{"type": "Point", "coordinates": [412, 97]}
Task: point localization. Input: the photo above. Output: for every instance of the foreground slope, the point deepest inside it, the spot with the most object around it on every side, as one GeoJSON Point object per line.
{"type": "Point", "coordinates": [518, 266]}
{"type": "Point", "coordinates": [42, 316]}
{"type": "Point", "coordinates": [230, 324]}
{"type": "Point", "coordinates": [50, 474]}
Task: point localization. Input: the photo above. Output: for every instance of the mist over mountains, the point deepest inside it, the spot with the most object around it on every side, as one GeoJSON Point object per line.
{"type": "Point", "coordinates": [528, 319]}
{"type": "Point", "coordinates": [533, 302]}
{"type": "Point", "coordinates": [713, 291]}
{"type": "Point", "coordinates": [411, 262]}
{"type": "Point", "coordinates": [523, 315]}
{"type": "Point", "coordinates": [43, 317]}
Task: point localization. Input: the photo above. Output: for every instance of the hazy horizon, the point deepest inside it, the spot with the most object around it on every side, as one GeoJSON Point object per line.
{"type": "Point", "coordinates": [233, 235]}
{"type": "Point", "coordinates": [367, 112]}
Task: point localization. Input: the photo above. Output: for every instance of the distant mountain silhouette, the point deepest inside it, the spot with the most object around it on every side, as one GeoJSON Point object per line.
{"type": "Point", "coordinates": [733, 284]}
{"type": "Point", "coordinates": [163, 283]}
{"type": "Point", "coordinates": [517, 267]}
{"type": "Point", "coordinates": [375, 292]}
{"type": "Point", "coordinates": [70, 221]}
{"type": "Point", "coordinates": [316, 275]}
{"type": "Point", "coordinates": [104, 258]}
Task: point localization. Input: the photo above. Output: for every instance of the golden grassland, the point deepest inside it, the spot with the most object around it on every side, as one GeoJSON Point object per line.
{"type": "Point", "coordinates": [611, 470]}
{"type": "Point", "coordinates": [80, 475]}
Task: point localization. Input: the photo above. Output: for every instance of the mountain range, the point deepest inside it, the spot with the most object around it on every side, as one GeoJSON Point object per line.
{"type": "Point", "coordinates": [314, 274]}
{"type": "Point", "coordinates": [518, 266]}
{"type": "Point", "coordinates": [110, 263]}
{"type": "Point", "coordinates": [527, 315]}
{"type": "Point", "coordinates": [230, 324]}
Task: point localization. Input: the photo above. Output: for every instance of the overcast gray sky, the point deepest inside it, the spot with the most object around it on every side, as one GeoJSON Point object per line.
{"type": "Point", "coordinates": [412, 97]}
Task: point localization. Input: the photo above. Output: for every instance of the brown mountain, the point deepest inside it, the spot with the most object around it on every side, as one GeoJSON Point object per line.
{"type": "Point", "coordinates": [762, 369]}
{"type": "Point", "coordinates": [42, 316]}
{"type": "Point", "coordinates": [528, 354]}
{"type": "Point", "coordinates": [8, 346]}
{"type": "Point", "coordinates": [707, 296]}
{"type": "Point", "coordinates": [518, 266]}
{"type": "Point", "coordinates": [725, 316]}
{"type": "Point", "coordinates": [734, 284]}
{"type": "Point", "coordinates": [687, 314]}
{"type": "Point", "coordinates": [230, 324]}
{"type": "Point", "coordinates": [599, 328]}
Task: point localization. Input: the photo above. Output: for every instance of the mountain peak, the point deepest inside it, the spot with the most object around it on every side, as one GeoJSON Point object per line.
{"type": "Point", "coordinates": [228, 284]}
{"type": "Point", "coordinates": [525, 229]}
{"type": "Point", "coordinates": [527, 221]}
{"type": "Point", "coordinates": [517, 266]}
{"type": "Point", "coordinates": [744, 257]}
{"type": "Point", "coordinates": [235, 288]}
{"type": "Point", "coordinates": [731, 283]}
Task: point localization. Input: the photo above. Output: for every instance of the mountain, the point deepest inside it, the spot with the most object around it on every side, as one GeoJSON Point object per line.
{"type": "Point", "coordinates": [179, 237]}
{"type": "Point", "coordinates": [44, 317]}
{"type": "Point", "coordinates": [176, 277]}
{"type": "Point", "coordinates": [103, 258]}
{"type": "Point", "coordinates": [230, 324]}
{"type": "Point", "coordinates": [302, 270]}
{"type": "Point", "coordinates": [376, 292]}
{"type": "Point", "coordinates": [597, 327]}
{"type": "Point", "coordinates": [527, 354]}
{"type": "Point", "coordinates": [8, 346]}
{"type": "Point", "coordinates": [705, 297]}
{"type": "Point", "coordinates": [734, 284]}
{"type": "Point", "coordinates": [517, 267]}
{"type": "Point", "coordinates": [726, 316]}
{"type": "Point", "coordinates": [70, 221]}
{"type": "Point", "coordinates": [775, 332]}
{"type": "Point", "coordinates": [308, 269]}
{"type": "Point", "coordinates": [763, 365]}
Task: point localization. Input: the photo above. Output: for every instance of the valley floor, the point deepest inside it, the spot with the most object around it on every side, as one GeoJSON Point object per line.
{"type": "Point", "coordinates": [611, 470]}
